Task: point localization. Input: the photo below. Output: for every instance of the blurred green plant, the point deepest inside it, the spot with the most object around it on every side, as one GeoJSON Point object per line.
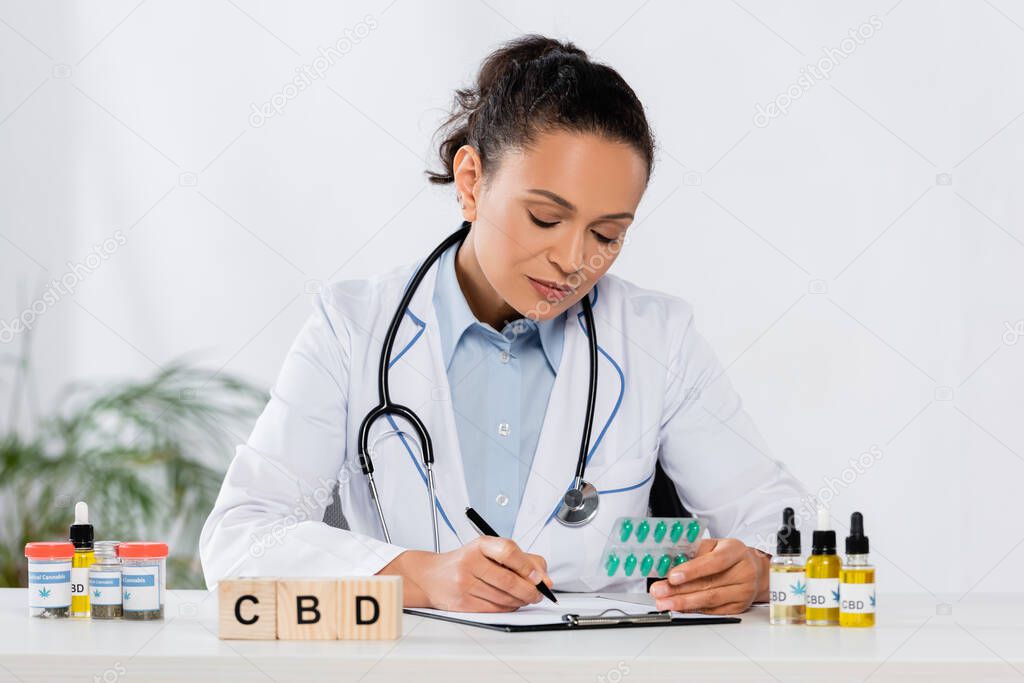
{"type": "Point", "coordinates": [147, 455]}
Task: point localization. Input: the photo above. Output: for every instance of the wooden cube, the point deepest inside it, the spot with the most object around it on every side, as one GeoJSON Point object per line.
{"type": "Point", "coordinates": [307, 609]}
{"type": "Point", "coordinates": [370, 608]}
{"type": "Point", "coordinates": [247, 609]}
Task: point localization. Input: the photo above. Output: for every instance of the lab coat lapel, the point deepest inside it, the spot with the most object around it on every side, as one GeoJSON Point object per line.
{"type": "Point", "coordinates": [419, 381]}
{"type": "Point", "coordinates": [554, 463]}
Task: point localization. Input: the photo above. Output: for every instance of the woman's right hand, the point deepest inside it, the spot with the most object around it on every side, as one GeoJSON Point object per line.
{"type": "Point", "coordinates": [485, 575]}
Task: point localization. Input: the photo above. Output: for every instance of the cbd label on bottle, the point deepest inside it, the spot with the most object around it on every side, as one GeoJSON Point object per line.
{"type": "Point", "coordinates": [80, 582]}
{"type": "Point", "coordinates": [857, 598]}
{"type": "Point", "coordinates": [788, 588]}
{"type": "Point", "coordinates": [823, 593]}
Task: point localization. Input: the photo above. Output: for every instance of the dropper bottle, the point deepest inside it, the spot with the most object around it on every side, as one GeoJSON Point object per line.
{"type": "Point", "coordinates": [787, 584]}
{"type": "Point", "coordinates": [81, 536]}
{"type": "Point", "coordinates": [823, 575]}
{"type": "Point", "coordinates": [857, 579]}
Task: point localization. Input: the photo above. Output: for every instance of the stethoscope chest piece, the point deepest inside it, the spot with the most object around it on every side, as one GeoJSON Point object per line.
{"type": "Point", "coordinates": [579, 505]}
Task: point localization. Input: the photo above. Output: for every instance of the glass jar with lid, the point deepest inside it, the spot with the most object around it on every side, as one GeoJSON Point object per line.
{"type": "Point", "coordinates": [143, 579]}
{"type": "Point", "coordinates": [105, 581]}
{"type": "Point", "coordinates": [49, 579]}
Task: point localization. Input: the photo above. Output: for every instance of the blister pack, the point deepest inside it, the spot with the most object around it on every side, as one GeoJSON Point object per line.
{"type": "Point", "coordinates": [650, 546]}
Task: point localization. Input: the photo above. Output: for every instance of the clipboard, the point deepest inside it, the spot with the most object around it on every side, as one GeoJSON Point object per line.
{"type": "Point", "coordinates": [580, 622]}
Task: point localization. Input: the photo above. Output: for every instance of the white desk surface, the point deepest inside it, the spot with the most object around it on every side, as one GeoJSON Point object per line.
{"type": "Point", "coordinates": [978, 638]}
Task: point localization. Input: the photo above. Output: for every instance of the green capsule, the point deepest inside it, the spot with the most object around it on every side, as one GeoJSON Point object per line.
{"type": "Point", "coordinates": [630, 564]}
{"type": "Point", "coordinates": [646, 564]}
{"type": "Point", "coordinates": [627, 529]}
{"type": "Point", "coordinates": [692, 531]}
{"type": "Point", "coordinates": [664, 562]}
{"type": "Point", "coordinates": [677, 532]}
{"type": "Point", "coordinates": [659, 531]}
{"type": "Point", "coordinates": [642, 531]}
{"type": "Point", "coordinates": [612, 564]}
{"type": "Point", "coordinates": [679, 559]}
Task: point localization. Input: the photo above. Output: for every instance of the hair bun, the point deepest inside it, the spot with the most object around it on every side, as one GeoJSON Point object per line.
{"type": "Point", "coordinates": [531, 47]}
{"type": "Point", "coordinates": [534, 82]}
{"type": "Point", "coordinates": [513, 56]}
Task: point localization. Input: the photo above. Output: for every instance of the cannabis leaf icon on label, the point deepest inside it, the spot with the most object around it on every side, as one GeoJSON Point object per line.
{"type": "Point", "coordinates": [872, 599]}
{"type": "Point", "coordinates": [835, 595]}
{"type": "Point", "coordinates": [44, 592]}
{"type": "Point", "coordinates": [798, 588]}
{"type": "Point", "coordinates": [96, 593]}
{"type": "Point", "coordinates": [127, 597]}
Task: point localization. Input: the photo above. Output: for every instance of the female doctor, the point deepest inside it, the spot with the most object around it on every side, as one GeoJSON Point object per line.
{"type": "Point", "coordinates": [550, 154]}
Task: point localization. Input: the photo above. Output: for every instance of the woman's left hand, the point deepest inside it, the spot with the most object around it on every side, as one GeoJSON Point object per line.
{"type": "Point", "coordinates": [725, 577]}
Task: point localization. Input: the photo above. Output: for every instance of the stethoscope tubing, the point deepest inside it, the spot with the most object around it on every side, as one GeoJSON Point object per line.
{"type": "Point", "coordinates": [386, 407]}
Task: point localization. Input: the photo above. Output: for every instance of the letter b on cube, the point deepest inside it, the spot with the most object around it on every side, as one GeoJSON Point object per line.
{"type": "Point", "coordinates": [307, 609]}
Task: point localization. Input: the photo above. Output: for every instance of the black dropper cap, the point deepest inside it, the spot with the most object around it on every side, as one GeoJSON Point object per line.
{"type": "Point", "coordinates": [856, 542]}
{"type": "Point", "coordinates": [788, 536]}
{"type": "Point", "coordinates": [81, 532]}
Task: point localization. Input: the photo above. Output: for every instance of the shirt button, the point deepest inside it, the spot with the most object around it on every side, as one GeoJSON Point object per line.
{"type": "Point", "coordinates": [504, 429]}
{"type": "Point", "coordinates": [501, 499]}
{"type": "Point", "coordinates": [504, 356]}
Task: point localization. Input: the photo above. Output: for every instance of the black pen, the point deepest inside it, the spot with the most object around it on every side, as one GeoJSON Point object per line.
{"type": "Point", "coordinates": [485, 529]}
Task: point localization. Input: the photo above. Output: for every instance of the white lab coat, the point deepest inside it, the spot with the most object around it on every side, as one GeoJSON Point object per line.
{"type": "Point", "coordinates": [661, 396]}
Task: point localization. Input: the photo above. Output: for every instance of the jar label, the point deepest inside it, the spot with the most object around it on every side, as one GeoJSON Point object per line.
{"type": "Point", "coordinates": [857, 598]}
{"type": "Point", "coordinates": [823, 593]}
{"type": "Point", "coordinates": [105, 588]}
{"type": "Point", "coordinates": [140, 588]}
{"type": "Point", "coordinates": [787, 588]}
{"type": "Point", "coordinates": [49, 584]}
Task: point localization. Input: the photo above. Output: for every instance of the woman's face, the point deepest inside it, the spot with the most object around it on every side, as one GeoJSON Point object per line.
{"type": "Point", "coordinates": [550, 220]}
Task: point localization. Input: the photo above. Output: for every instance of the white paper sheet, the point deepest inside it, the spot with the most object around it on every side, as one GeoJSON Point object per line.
{"type": "Point", "coordinates": [545, 612]}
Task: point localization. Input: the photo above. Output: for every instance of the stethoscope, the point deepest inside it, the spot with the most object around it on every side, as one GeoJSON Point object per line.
{"type": "Point", "coordinates": [578, 505]}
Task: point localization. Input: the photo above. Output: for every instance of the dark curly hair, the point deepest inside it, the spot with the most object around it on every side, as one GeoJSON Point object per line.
{"type": "Point", "coordinates": [534, 85]}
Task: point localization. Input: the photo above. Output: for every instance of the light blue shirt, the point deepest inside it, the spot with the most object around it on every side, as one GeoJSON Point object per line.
{"type": "Point", "coordinates": [500, 384]}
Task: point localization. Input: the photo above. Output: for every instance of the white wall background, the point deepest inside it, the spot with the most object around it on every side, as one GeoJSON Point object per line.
{"type": "Point", "coordinates": [856, 262]}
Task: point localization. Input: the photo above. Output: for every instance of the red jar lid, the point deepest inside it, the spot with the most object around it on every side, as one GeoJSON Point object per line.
{"type": "Point", "coordinates": [143, 549]}
{"type": "Point", "coordinates": [49, 550]}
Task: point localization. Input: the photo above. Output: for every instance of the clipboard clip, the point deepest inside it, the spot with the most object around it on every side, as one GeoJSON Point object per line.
{"type": "Point", "coordinates": [605, 619]}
